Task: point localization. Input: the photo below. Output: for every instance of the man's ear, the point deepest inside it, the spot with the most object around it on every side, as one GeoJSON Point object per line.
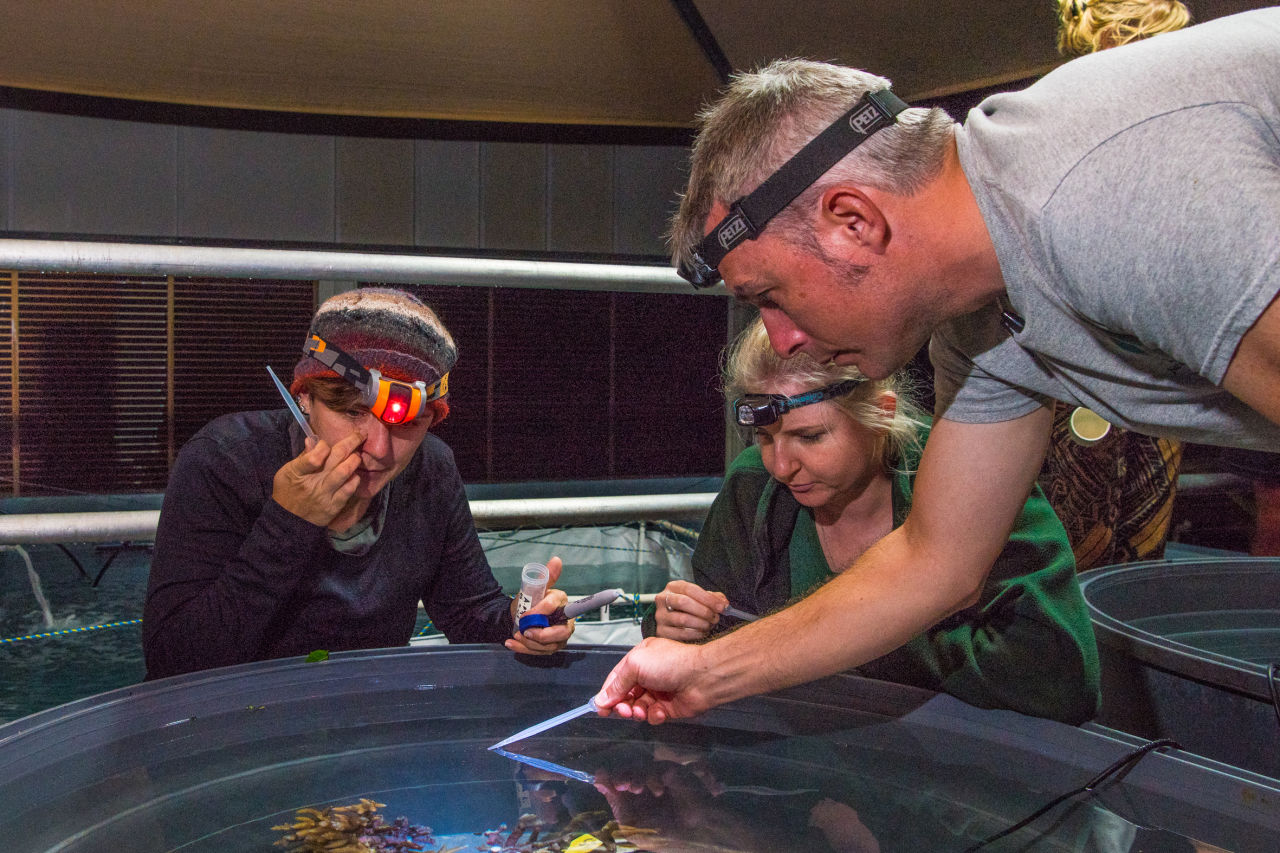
{"type": "Point", "coordinates": [847, 214]}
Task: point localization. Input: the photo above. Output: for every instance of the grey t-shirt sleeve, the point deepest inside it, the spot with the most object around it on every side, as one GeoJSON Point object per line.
{"type": "Point", "coordinates": [965, 390]}
{"type": "Point", "coordinates": [1185, 259]}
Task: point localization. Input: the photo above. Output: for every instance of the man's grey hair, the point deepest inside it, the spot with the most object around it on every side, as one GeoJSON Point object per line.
{"type": "Point", "coordinates": [766, 116]}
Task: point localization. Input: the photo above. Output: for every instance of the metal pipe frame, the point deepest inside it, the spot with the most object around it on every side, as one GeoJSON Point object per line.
{"type": "Point", "coordinates": [87, 256]}
{"type": "Point", "coordinates": [140, 525]}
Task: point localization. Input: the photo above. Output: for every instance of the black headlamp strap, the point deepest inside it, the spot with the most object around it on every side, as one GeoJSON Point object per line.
{"type": "Point", "coordinates": [338, 361]}
{"type": "Point", "coordinates": [748, 216]}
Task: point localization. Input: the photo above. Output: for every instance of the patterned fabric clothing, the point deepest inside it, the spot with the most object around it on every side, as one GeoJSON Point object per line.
{"type": "Point", "coordinates": [1115, 498]}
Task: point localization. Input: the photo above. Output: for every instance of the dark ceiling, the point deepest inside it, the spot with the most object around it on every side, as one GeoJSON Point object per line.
{"type": "Point", "coordinates": [641, 64]}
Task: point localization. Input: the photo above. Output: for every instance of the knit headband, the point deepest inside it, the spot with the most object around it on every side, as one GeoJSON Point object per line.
{"type": "Point", "coordinates": [388, 329]}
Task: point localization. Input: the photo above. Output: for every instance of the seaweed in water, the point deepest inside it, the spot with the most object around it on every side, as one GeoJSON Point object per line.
{"type": "Point", "coordinates": [573, 837]}
{"type": "Point", "coordinates": [352, 829]}
{"type": "Point", "coordinates": [359, 828]}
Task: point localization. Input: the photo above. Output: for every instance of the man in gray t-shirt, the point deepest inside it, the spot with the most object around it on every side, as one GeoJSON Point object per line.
{"type": "Point", "coordinates": [1110, 237]}
{"type": "Point", "coordinates": [1133, 199]}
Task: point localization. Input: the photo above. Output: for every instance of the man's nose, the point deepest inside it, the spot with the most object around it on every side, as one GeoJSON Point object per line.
{"type": "Point", "coordinates": [785, 336]}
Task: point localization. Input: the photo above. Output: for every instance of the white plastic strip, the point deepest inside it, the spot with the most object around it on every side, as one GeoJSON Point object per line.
{"type": "Point", "coordinates": [140, 525]}
{"type": "Point", "coordinates": [87, 256]}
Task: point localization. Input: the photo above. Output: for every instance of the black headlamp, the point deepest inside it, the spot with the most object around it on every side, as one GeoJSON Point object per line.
{"type": "Point", "coordinates": [391, 401]}
{"type": "Point", "coordinates": [757, 410]}
{"type": "Point", "coordinates": [749, 214]}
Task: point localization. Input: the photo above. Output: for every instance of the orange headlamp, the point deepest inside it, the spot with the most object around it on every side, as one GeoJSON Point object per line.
{"type": "Point", "coordinates": [391, 401]}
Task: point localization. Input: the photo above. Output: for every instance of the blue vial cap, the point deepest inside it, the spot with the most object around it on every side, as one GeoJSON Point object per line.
{"type": "Point", "coordinates": [533, 620]}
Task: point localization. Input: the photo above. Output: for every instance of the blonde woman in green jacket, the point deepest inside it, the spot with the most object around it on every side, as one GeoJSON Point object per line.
{"type": "Point", "coordinates": [830, 473]}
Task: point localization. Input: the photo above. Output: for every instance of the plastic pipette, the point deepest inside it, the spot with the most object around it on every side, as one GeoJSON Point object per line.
{"type": "Point", "coordinates": [543, 764]}
{"type": "Point", "coordinates": [589, 708]}
{"type": "Point", "coordinates": [293, 406]}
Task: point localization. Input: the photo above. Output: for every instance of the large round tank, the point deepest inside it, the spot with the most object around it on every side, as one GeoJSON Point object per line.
{"type": "Point", "coordinates": [1186, 648]}
{"type": "Point", "coordinates": [214, 760]}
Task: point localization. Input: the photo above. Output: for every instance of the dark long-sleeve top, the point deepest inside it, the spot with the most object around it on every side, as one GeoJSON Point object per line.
{"type": "Point", "coordinates": [1027, 645]}
{"type": "Point", "coordinates": [237, 578]}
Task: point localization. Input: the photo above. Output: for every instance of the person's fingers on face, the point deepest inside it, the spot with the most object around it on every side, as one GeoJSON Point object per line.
{"type": "Point", "coordinates": [312, 459]}
{"type": "Point", "coordinates": [339, 473]}
{"type": "Point", "coordinates": [345, 447]}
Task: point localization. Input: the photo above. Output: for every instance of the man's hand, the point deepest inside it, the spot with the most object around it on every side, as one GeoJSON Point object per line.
{"type": "Point", "coordinates": [317, 485]}
{"type": "Point", "coordinates": [686, 612]}
{"type": "Point", "coordinates": [553, 638]}
{"type": "Point", "coordinates": [656, 682]}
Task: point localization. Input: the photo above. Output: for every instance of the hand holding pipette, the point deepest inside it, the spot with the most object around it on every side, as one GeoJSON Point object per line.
{"type": "Point", "coordinates": [686, 612]}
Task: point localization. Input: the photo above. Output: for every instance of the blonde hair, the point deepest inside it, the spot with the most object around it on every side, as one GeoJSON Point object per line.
{"type": "Point", "coordinates": [766, 116]}
{"type": "Point", "coordinates": [1087, 26]}
{"type": "Point", "coordinates": [751, 364]}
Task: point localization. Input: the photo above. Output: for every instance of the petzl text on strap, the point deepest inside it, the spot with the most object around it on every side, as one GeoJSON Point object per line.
{"type": "Point", "coordinates": [749, 215]}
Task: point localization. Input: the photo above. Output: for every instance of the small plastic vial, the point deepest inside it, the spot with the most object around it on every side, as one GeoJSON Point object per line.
{"type": "Point", "coordinates": [533, 585]}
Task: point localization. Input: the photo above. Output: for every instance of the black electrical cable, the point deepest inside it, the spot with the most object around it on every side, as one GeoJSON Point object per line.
{"type": "Point", "coordinates": [706, 39]}
{"type": "Point", "coordinates": [1087, 787]}
{"type": "Point", "coordinates": [1275, 690]}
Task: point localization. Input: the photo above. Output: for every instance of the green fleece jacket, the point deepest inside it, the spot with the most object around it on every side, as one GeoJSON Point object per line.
{"type": "Point", "coordinates": [1027, 645]}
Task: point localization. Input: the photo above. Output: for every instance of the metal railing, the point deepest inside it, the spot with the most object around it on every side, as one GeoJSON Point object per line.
{"type": "Point", "coordinates": [86, 256]}
{"type": "Point", "coordinates": [140, 525]}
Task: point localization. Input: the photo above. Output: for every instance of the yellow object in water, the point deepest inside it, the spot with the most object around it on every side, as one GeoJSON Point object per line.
{"type": "Point", "coordinates": [584, 843]}
{"type": "Point", "coordinates": [1087, 427]}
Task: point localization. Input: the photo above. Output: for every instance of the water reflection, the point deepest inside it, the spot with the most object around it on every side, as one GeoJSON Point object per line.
{"type": "Point", "coordinates": [667, 797]}
{"type": "Point", "coordinates": [214, 762]}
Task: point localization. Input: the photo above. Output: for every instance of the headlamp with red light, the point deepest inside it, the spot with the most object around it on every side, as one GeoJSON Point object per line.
{"type": "Point", "coordinates": [391, 401]}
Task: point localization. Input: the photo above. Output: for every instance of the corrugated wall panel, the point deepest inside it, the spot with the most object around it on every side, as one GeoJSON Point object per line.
{"type": "Point", "coordinates": [91, 383]}
{"type": "Point", "coordinates": [225, 335]}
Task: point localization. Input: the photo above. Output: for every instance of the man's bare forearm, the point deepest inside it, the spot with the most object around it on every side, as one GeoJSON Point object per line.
{"type": "Point", "coordinates": [881, 602]}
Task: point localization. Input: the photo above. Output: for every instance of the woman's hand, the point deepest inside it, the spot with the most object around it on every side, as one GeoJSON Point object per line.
{"type": "Point", "coordinates": [685, 611]}
{"type": "Point", "coordinates": [553, 638]}
{"type": "Point", "coordinates": [318, 484]}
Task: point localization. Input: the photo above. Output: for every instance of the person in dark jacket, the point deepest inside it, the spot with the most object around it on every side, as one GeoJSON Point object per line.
{"type": "Point", "coordinates": [273, 544]}
{"type": "Point", "coordinates": [831, 472]}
